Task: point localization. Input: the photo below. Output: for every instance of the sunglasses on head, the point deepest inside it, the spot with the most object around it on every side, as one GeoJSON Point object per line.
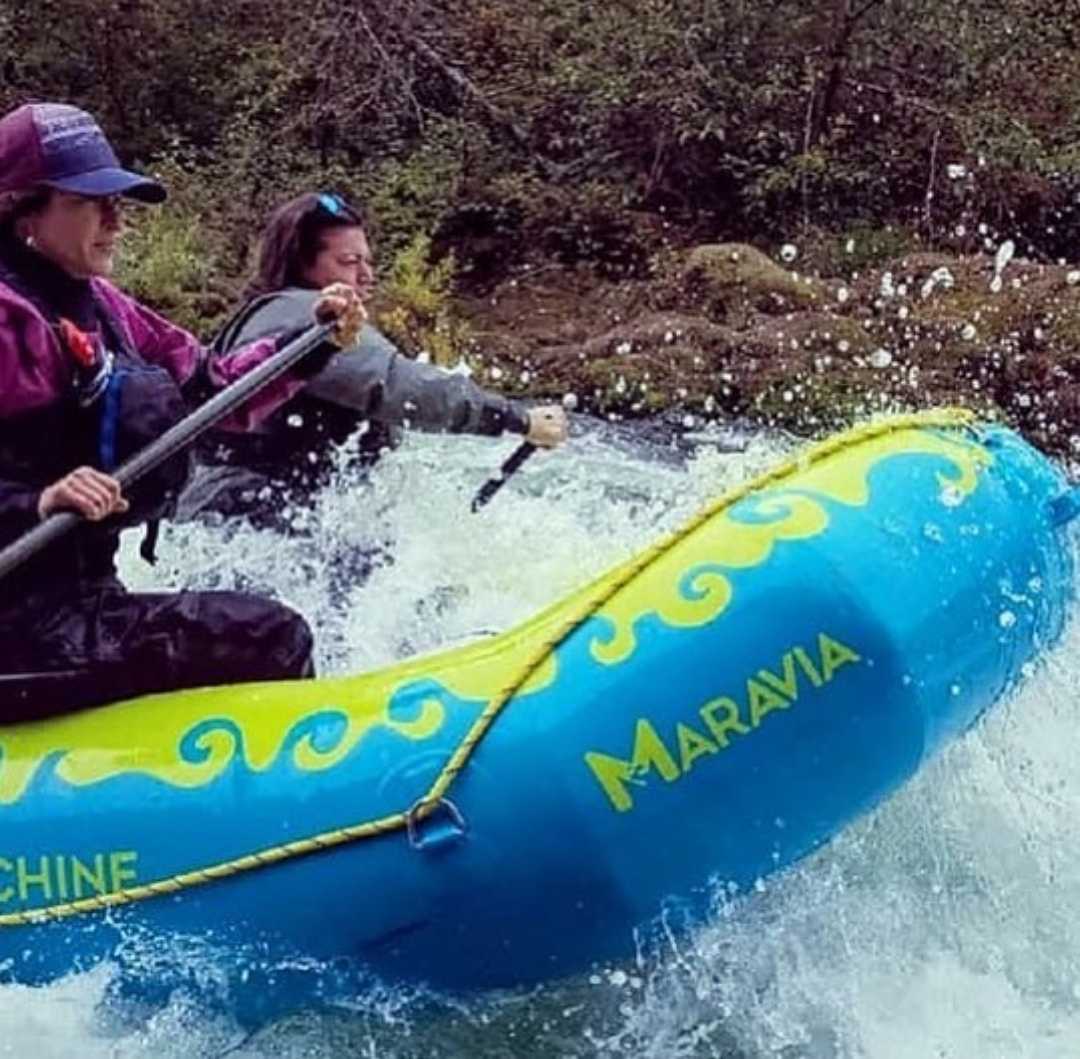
{"type": "Point", "coordinates": [336, 206]}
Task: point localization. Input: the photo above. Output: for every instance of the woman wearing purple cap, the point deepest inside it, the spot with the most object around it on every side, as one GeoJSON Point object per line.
{"type": "Point", "coordinates": [88, 376]}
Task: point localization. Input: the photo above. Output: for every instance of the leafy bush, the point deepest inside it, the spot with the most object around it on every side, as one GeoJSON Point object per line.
{"type": "Point", "coordinates": [418, 314]}
{"type": "Point", "coordinates": [853, 249]}
{"type": "Point", "coordinates": [166, 262]}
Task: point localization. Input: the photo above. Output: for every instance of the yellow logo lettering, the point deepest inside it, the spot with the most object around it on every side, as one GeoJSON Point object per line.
{"type": "Point", "coordinates": [122, 867]}
{"type": "Point", "coordinates": [80, 873]}
{"type": "Point", "coordinates": [61, 877]}
{"type": "Point", "coordinates": [762, 701]}
{"type": "Point", "coordinates": [692, 744]}
{"type": "Point", "coordinates": [25, 878]}
{"type": "Point", "coordinates": [615, 774]}
{"type": "Point", "coordinates": [808, 667]}
{"type": "Point", "coordinates": [834, 655]}
{"type": "Point", "coordinates": [788, 685]}
{"type": "Point", "coordinates": [718, 727]}
{"type": "Point", "coordinates": [8, 892]}
{"type": "Point", "coordinates": [34, 879]}
{"type": "Point", "coordinates": [769, 690]}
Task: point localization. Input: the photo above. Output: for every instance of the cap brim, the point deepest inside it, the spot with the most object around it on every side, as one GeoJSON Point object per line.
{"type": "Point", "coordinates": [101, 182]}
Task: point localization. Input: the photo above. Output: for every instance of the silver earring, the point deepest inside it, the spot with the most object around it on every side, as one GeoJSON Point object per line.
{"type": "Point", "coordinates": [30, 242]}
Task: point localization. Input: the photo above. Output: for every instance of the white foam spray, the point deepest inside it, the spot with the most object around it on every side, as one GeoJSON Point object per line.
{"type": "Point", "coordinates": [945, 924]}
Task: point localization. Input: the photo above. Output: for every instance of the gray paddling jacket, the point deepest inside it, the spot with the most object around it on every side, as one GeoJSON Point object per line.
{"type": "Point", "coordinates": [371, 382]}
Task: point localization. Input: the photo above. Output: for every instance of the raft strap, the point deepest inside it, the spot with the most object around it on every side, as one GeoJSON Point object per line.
{"type": "Point", "coordinates": [448, 831]}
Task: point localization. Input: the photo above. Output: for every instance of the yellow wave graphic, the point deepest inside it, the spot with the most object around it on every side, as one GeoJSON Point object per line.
{"type": "Point", "coordinates": [791, 515]}
{"type": "Point", "coordinates": [189, 738]}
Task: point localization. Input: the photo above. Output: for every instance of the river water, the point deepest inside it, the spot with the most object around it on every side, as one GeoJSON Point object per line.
{"type": "Point", "coordinates": [946, 925]}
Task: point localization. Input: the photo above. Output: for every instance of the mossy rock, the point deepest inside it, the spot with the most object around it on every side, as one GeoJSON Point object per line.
{"type": "Point", "coordinates": [647, 380]}
{"type": "Point", "coordinates": [731, 276]}
{"type": "Point", "coordinates": [805, 335]}
{"type": "Point", "coordinates": [1011, 348]}
{"type": "Point", "coordinates": [660, 333]}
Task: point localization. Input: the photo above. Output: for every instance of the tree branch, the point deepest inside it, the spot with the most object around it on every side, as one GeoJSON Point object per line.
{"type": "Point", "coordinates": [911, 101]}
{"type": "Point", "coordinates": [865, 9]}
{"type": "Point", "coordinates": [493, 113]}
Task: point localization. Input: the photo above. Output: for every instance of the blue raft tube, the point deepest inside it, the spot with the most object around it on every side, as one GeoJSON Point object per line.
{"type": "Point", "coordinates": [509, 811]}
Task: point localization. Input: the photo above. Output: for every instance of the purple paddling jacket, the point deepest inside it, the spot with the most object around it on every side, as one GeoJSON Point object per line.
{"type": "Point", "coordinates": [36, 374]}
{"type": "Point", "coordinates": [35, 371]}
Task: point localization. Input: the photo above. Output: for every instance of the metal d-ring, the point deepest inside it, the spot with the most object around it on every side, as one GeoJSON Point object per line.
{"type": "Point", "coordinates": [421, 810]}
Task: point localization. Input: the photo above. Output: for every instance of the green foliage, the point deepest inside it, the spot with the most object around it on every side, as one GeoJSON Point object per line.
{"type": "Point", "coordinates": [571, 131]}
{"type": "Point", "coordinates": [419, 316]}
{"type": "Point", "coordinates": [165, 262]}
{"type": "Point", "coordinates": [855, 248]}
{"type": "Point", "coordinates": [412, 193]}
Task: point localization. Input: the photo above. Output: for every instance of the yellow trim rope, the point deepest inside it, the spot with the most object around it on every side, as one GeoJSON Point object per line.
{"type": "Point", "coordinates": [948, 418]}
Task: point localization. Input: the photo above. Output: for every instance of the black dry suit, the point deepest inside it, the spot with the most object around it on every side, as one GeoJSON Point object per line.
{"type": "Point", "coordinates": [371, 386]}
{"type": "Point", "coordinates": [65, 611]}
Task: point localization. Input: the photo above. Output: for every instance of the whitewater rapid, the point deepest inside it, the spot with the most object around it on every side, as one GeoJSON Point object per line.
{"type": "Point", "coordinates": [946, 925]}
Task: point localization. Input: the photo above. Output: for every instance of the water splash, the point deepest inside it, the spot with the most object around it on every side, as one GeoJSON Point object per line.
{"type": "Point", "coordinates": [946, 923]}
{"type": "Point", "coordinates": [1004, 255]}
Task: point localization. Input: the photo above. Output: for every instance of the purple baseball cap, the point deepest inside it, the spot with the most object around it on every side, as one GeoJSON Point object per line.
{"type": "Point", "coordinates": [63, 147]}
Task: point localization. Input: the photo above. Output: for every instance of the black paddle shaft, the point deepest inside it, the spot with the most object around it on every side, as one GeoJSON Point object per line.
{"type": "Point", "coordinates": [510, 465]}
{"type": "Point", "coordinates": [174, 440]}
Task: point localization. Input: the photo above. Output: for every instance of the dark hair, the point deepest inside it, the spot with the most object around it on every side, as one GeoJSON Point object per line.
{"type": "Point", "coordinates": [17, 204]}
{"type": "Point", "coordinates": [292, 239]}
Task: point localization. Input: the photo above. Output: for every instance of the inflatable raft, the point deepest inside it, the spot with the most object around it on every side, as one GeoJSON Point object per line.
{"type": "Point", "coordinates": [708, 711]}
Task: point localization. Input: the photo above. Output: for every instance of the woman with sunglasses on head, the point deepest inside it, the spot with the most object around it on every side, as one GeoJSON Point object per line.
{"type": "Point", "coordinates": [88, 377]}
{"type": "Point", "coordinates": [310, 241]}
